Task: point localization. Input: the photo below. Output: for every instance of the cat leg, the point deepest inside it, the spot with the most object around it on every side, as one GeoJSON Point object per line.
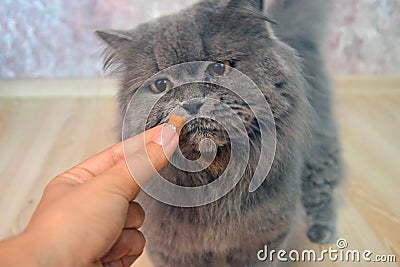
{"type": "Point", "coordinates": [322, 173]}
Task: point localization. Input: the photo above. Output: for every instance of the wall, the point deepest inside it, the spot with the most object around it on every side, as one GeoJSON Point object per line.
{"type": "Point", "coordinates": [53, 38]}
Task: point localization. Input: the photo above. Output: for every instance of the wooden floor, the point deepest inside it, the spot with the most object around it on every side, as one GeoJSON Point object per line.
{"type": "Point", "coordinates": [41, 137]}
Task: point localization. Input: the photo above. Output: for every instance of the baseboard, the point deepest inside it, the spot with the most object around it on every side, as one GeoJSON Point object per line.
{"type": "Point", "coordinates": [57, 88]}
{"type": "Point", "coordinates": [380, 84]}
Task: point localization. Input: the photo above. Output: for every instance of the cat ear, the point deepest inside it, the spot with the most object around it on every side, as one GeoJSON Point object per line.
{"type": "Point", "coordinates": [254, 8]}
{"type": "Point", "coordinates": [117, 42]}
{"type": "Point", "coordinates": [256, 5]}
{"type": "Point", "coordinates": [114, 38]}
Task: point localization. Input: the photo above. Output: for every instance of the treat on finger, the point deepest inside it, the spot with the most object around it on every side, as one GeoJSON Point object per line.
{"type": "Point", "coordinates": [176, 121]}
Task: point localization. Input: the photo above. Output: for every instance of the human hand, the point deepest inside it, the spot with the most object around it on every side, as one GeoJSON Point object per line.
{"type": "Point", "coordinates": [85, 216]}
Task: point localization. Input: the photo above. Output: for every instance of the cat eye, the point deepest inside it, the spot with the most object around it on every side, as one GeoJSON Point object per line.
{"type": "Point", "coordinates": [160, 85]}
{"type": "Point", "coordinates": [219, 68]}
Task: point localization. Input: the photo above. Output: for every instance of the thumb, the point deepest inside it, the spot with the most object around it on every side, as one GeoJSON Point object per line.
{"type": "Point", "coordinates": [137, 168]}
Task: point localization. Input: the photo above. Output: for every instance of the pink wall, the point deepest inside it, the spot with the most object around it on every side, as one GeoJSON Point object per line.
{"type": "Point", "coordinates": [53, 38]}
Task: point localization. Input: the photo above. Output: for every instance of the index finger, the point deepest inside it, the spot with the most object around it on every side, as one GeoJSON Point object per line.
{"type": "Point", "coordinates": [109, 157]}
{"type": "Point", "coordinates": [126, 177]}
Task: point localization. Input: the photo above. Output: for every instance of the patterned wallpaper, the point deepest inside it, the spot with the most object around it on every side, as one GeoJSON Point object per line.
{"type": "Point", "coordinates": [54, 38]}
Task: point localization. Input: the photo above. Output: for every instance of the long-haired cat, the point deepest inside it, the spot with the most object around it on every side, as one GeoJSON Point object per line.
{"type": "Point", "coordinates": [278, 44]}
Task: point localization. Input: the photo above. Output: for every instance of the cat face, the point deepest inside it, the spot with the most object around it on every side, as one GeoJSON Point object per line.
{"type": "Point", "coordinates": [226, 35]}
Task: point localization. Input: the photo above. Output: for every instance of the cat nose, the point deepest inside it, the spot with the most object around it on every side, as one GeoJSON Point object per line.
{"type": "Point", "coordinates": [192, 106]}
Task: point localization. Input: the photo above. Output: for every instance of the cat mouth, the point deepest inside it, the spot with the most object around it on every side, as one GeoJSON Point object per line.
{"type": "Point", "coordinates": [203, 126]}
{"type": "Point", "coordinates": [206, 141]}
{"type": "Point", "coordinates": [198, 129]}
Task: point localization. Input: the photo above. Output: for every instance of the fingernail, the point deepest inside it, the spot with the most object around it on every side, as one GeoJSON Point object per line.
{"type": "Point", "coordinates": [167, 134]}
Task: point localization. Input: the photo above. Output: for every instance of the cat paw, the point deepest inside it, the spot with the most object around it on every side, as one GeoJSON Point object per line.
{"type": "Point", "coordinates": [321, 234]}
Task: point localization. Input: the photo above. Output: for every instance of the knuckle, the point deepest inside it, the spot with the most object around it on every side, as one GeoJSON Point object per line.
{"type": "Point", "coordinates": [139, 243]}
{"type": "Point", "coordinates": [136, 216]}
{"type": "Point", "coordinates": [141, 238]}
{"type": "Point", "coordinates": [140, 215]}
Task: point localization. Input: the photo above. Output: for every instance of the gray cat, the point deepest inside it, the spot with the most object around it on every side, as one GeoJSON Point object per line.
{"type": "Point", "coordinates": [284, 57]}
